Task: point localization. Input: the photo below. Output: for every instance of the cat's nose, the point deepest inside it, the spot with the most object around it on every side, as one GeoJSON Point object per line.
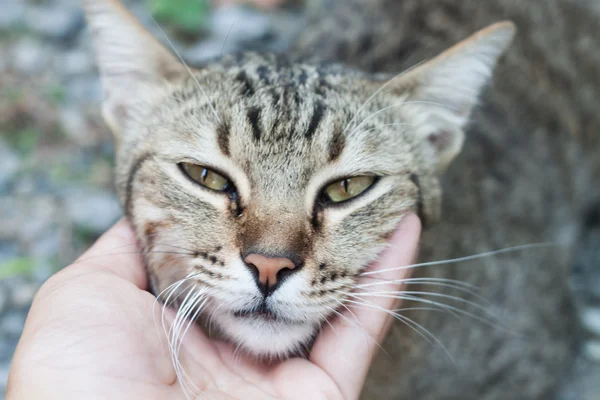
{"type": "Point", "coordinates": [269, 272]}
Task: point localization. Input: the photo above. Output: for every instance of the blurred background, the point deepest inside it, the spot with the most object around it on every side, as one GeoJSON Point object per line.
{"type": "Point", "coordinates": [56, 154]}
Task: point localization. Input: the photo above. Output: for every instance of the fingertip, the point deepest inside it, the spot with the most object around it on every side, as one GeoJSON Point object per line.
{"type": "Point", "coordinates": [402, 246]}
{"type": "Point", "coordinates": [123, 229]}
{"type": "Point", "coordinates": [408, 229]}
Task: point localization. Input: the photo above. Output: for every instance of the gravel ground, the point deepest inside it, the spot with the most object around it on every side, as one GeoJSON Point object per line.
{"type": "Point", "coordinates": [56, 194]}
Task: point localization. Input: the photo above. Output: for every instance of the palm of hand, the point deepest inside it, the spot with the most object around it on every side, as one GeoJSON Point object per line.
{"type": "Point", "coordinates": [93, 332]}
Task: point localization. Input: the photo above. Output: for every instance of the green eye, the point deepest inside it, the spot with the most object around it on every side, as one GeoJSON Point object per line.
{"type": "Point", "coordinates": [348, 188]}
{"type": "Point", "coordinates": [206, 177]}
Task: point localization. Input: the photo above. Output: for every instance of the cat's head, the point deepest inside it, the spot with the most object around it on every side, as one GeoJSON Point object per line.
{"type": "Point", "coordinates": [258, 187]}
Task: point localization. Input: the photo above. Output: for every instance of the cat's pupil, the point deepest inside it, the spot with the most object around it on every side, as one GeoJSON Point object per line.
{"type": "Point", "coordinates": [345, 185]}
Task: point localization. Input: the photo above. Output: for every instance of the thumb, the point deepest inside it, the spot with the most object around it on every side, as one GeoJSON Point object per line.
{"type": "Point", "coordinates": [346, 348]}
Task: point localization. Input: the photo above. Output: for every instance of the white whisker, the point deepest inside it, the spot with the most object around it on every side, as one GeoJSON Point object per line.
{"type": "Point", "coordinates": [467, 258]}
{"type": "Point", "coordinates": [428, 282]}
{"type": "Point", "coordinates": [422, 331]}
{"type": "Point", "coordinates": [494, 321]}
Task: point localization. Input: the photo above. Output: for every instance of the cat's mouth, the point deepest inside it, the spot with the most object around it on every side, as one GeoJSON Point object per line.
{"type": "Point", "coordinates": [263, 313]}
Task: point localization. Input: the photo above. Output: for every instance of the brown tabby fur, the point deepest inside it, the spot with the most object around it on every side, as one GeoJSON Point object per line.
{"type": "Point", "coordinates": [528, 166]}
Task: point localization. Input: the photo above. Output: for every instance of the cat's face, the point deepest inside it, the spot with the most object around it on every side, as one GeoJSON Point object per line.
{"type": "Point", "coordinates": [260, 188]}
{"type": "Point", "coordinates": [281, 145]}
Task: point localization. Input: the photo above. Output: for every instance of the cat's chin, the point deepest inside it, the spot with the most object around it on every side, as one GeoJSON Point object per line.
{"type": "Point", "coordinates": [265, 337]}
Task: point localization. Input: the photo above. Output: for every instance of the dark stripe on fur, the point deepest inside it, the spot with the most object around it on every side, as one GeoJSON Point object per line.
{"type": "Point", "coordinates": [247, 87]}
{"type": "Point", "coordinates": [318, 113]}
{"type": "Point", "coordinates": [131, 176]}
{"type": "Point", "coordinates": [336, 146]}
{"type": "Point", "coordinates": [254, 120]}
{"type": "Point", "coordinates": [223, 137]}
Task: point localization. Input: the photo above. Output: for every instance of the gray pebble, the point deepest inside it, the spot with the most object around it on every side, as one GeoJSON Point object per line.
{"type": "Point", "coordinates": [7, 346]}
{"type": "Point", "coordinates": [23, 294]}
{"type": "Point", "coordinates": [12, 13]}
{"type": "Point", "coordinates": [207, 50]}
{"type": "Point", "coordinates": [43, 217]}
{"type": "Point", "coordinates": [92, 209]}
{"type": "Point", "coordinates": [591, 350]}
{"type": "Point", "coordinates": [84, 89]}
{"type": "Point", "coordinates": [12, 323]}
{"type": "Point", "coordinates": [74, 125]}
{"type": "Point", "coordinates": [3, 298]}
{"type": "Point", "coordinates": [591, 320]}
{"type": "Point", "coordinates": [3, 379]}
{"type": "Point", "coordinates": [76, 62]}
{"type": "Point", "coordinates": [55, 22]}
{"type": "Point", "coordinates": [239, 24]}
{"type": "Point", "coordinates": [29, 56]}
{"type": "Point", "coordinates": [9, 165]}
{"type": "Point", "coordinates": [46, 246]}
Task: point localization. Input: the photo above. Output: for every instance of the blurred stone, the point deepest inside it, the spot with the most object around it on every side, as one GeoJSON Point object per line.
{"type": "Point", "coordinates": [591, 320]}
{"type": "Point", "coordinates": [3, 377]}
{"type": "Point", "coordinates": [12, 323]}
{"type": "Point", "coordinates": [56, 22]}
{"type": "Point", "coordinates": [92, 209]}
{"type": "Point", "coordinates": [76, 62]}
{"type": "Point", "coordinates": [84, 89]}
{"type": "Point", "coordinates": [9, 249]}
{"type": "Point", "coordinates": [29, 56]}
{"type": "Point", "coordinates": [12, 13]}
{"type": "Point", "coordinates": [3, 297]}
{"type": "Point", "coordinates": [207, 50]}
{"type": "Point", "coordinates": [239, 24]}
{"type": "Point", "coordinates": [9, 165]}
{"type": "Point", "coordinates": [591, 350]}
{"type": "Point", "coordinates": [43, 214]}
{"type": "Point", "coordinates": [23, 293]}
{"type": "Point", "coordinates": [47, 246]}
{"type": "Point", "coordinates": [25, 185]}
{"type": "Point", "coordinates": [102, 173]}
{"type": "Point", "coordinates": [7, 347]}
{"type": "Point", "coordinates": [74, 125]}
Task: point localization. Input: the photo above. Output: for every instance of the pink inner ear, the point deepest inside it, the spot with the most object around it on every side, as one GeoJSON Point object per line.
{"type": "Point", "coordinates": [440, 140]}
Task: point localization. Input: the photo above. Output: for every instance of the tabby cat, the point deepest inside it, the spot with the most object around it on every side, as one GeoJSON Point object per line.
{"type": "Point", "coordinates": [278, 178]}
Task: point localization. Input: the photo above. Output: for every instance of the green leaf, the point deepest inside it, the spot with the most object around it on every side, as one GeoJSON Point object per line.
{"type": "Point", "coordinates": [189, 16]}
{"type": "Point", "coordinates": [55, 94]}
{"type": "Point", "coordinates": [17, 266]}
{"type": "Point", "coordinates": [24, 140]}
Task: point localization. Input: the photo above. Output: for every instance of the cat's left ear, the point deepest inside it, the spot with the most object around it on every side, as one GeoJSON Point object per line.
{"type": "Point", "coordinates": [134, 66]}
{"type": "Point", "coordinates": [440, 94]}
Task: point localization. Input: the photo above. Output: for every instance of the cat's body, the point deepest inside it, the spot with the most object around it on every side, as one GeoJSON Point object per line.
{"type": "Point", "coordinates": [526, 171]}
{"type": "Point", "coordinates": [529, 166]}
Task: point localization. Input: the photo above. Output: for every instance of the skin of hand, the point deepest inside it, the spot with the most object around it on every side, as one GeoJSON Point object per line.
{"type": "Point", "coordinates": [92, 334]}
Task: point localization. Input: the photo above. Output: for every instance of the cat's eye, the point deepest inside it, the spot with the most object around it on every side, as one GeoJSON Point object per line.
{"type": "Point", "coordinates": [206, 177]}
{"type": "Point", "coordinates": [348, 188]}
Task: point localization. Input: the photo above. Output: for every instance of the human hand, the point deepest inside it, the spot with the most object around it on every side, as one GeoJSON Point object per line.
{"type": "Point", "coordinates": [91, 334]}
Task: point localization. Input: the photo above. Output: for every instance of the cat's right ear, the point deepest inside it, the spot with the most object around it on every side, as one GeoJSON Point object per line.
{"type": "Point", "coordinates": [441, 93]}
{"type": "Point", "coordinates": [134, 67]}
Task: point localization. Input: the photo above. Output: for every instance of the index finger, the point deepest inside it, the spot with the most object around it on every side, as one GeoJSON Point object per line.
{"type": "Point", "coordinates": [116, 251]}
{"type": "Point", "coordinates": [346, 348]}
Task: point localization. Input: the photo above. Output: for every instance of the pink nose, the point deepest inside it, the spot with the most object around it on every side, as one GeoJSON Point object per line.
{"type": "Point", "coordinates": [268, 267]}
